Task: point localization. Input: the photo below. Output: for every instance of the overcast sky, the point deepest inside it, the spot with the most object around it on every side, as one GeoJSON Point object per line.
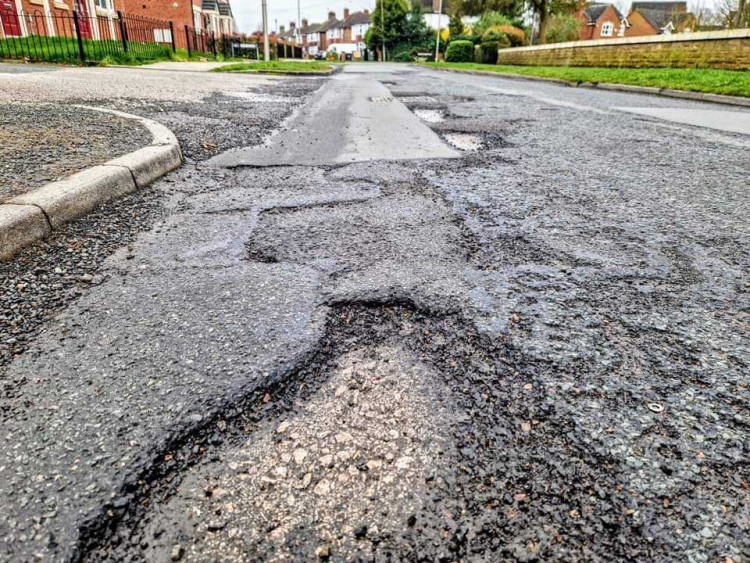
{"type": "Point", "coordinates": [248, 14]}
{"type": "Point", "coordinates": [281, 12]}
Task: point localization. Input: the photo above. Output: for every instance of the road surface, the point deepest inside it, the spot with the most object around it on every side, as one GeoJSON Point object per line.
{"type": "Point", "coordinates": [396, 314]}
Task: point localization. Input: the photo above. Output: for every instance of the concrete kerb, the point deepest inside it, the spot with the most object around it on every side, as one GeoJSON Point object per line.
{"type": "Point", "coordinates": [34, 215]}
{"type": "Point", "coordinates": [665, 92]}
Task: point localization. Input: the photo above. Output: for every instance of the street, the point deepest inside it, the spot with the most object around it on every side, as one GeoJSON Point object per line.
{"type": "Point", "coordinates": [394, 314]}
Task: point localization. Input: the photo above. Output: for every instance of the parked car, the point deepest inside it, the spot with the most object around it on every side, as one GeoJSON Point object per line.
{"type": "Point", "coordinates": [320, 56]}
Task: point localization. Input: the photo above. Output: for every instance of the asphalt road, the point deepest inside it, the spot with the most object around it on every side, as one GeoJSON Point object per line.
{"type": "Point", "coordinates": [432, 317]}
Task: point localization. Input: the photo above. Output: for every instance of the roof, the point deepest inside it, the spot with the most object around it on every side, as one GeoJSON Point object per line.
{"type": "Point", "coordinates": [309, 28]}
{"type": "Point", "coordinates": [670, 6]}
{"type": "Point", "coordinates": [594, 11]}
{"type": "Point", "coordinates": [659, 19]}
{"type": "Point", "coordinates": [326, 25]}
{"type": "Point", "coordinates": [356, 18]}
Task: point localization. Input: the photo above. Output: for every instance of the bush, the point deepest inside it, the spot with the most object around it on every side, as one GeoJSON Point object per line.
{"type": "Point", "coordinates": [489, 20]}
{"type": "Point", "coordinates": [516, 36]}
{"type": "Point", "coordinates": [332, 56]}
{"type": "Point", "coordinates": [460, 52]}
{"type": "Point", "coordinates": [403, 57]}
{"type": "Point", "coordinates": [486, 52]}
{"type": "Point", "coordinates": [562, 28]}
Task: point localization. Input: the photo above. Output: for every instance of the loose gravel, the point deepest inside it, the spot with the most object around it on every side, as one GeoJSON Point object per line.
{"type": "Point", "coordinates": [41, 143]}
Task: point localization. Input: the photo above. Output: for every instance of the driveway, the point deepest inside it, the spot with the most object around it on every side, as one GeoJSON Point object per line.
{"type": "Point", "coordinates": [393, 314]}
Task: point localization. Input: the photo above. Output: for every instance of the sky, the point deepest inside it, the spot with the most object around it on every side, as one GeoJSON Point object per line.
{"type": "Point", "coordinates": [281, 12]}
{"type": "Point", "coordinates": [248, 12]}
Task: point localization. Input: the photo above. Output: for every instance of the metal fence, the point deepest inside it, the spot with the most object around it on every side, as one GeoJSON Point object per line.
{"type": "Point", "coordinates": [73, 37]}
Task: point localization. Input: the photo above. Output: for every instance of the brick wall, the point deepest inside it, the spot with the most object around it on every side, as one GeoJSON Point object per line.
{"type": "Point", "coordinates": [729, 49]}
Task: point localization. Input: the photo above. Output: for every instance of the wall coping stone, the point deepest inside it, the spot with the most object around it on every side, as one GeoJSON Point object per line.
{"type": "Point", "coordinates": [724, 34]}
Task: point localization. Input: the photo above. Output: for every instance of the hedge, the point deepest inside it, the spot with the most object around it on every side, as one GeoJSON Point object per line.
{"type": "Point", "coordinates": [460, 52]}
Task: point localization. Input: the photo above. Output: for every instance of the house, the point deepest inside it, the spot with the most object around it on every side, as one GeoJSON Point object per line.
{"type": "Point", "coordinates": [309, 37]}
{"type": "Point", "coordinates": [355, 26]}
{"type": "Point", "coordinates": [659, 18]}
{"type": "Point", "coordinates": [600, 21]}
{"type": "Point", "coordinates": [52, 17]}
{"type": "Point", "coordinates": [328, 32]}
{"type": "Point", "coordinates": [435, 15]}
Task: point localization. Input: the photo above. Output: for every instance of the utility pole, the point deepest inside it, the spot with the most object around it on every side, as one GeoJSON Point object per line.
{"type": "Point", "coordinates": [299, 24]}
{"type": "Point", "coordinates": [266, 49]}
{"type": "Point", "coordinates": [437, 38]}
{"type": "Point", "coordinates": [382, 25]}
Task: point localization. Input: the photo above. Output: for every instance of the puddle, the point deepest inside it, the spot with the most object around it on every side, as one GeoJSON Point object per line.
{"type": "Point", "coordinates": [429, 115]}
{"type": "Point", "coordinates": [464, 141]}
{"type": "Point", "coordinates": [255, 97]}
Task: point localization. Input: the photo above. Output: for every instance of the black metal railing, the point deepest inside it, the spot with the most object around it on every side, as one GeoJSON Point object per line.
{"type": "Point", "coordinates": [73, 37]}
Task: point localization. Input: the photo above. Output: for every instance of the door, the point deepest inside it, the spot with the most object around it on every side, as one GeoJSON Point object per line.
{"type": "Point", "coordinates": [9, 18]}
{"type": "Point", "coordinates": [84, 21]}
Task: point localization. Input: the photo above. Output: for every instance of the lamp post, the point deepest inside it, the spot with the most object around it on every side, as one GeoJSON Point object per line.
{"type": "Point", "coordinates": [382, 24]}
{"type": "Point", "coordinates": [437, 38]}
{"type": "Point", "coordinates": [266, 50]}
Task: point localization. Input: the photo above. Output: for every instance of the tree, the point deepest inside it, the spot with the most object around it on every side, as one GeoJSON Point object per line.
{"type": "Point", "coordinates": [455, 25]}
{"type": "Point", "coordinates": [389, 21]}
{"type": "Point", "coordinates": [546, 8]}
{"type": "Point", "coordinates": [510, 8]}
{"type": "Point", "coordinates": [415, 29]}
{"type": "Point", "coordinates": [561, 28]}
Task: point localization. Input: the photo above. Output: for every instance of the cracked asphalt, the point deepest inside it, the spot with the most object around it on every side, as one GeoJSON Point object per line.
{"type": "Point", "coordinates": [518, 332]}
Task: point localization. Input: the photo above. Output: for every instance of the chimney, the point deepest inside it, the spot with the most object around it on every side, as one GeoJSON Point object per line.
{"type": "Point", "coordinates": [346, 13]}
{"type": "Point", "coordinates": [331, 15]}
{"type": "Point", "coordinates": [281, 30]}
{"type": "Point", "coordinates": [305, 22]}
{"type": "Point", "coordinates": [292, 26]}
{"type": "Point", "coordinates": [366, 11]}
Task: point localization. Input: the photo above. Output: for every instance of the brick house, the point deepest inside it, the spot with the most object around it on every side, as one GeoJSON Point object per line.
{"type": "Point", "coordinates": [659, 18]}
{"type": "Point", "coordinates": [38, 17]}
{"type": "Point", "coordinates": [601, 21]}
{"type": "Point", "coordinates": [355, 27]}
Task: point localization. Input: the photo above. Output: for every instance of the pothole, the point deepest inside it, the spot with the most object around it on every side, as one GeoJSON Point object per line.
{"type": "Point", "coordinates": [430, 115]}
{"type": "Point", "coordinates": [464, 141]}
{"type": "Point", "coordinates": [260, 97]}
{"type": "Point", "coordinates": [348, 466]}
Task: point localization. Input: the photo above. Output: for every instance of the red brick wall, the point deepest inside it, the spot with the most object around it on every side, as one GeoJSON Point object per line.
{"type": "Point", "coordinates": [181, 15]}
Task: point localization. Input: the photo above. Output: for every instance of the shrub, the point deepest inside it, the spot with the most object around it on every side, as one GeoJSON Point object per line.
{"type": "Point", "coordinates": [487, 52]}
{"type": "Point", "coordinates": [460, 52]}
{"type": "Point", "coordinates": [332, 56]}
{"type": "Point", "coordinates": [490, 19]}
{"type": "Point", "coordinates": [562, 28]}
{"type": "Point", "coordinates": [516, 36]}
{"type": "Point", "coordinates": [403, 57]}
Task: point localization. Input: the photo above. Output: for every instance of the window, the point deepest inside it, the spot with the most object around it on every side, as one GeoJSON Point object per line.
{"type": "Point", "coordinates": [196, 19]}
{"type": "Point", "coordinates": [608, 29]}
{"type": "Point", "coordinates": [103, 4]}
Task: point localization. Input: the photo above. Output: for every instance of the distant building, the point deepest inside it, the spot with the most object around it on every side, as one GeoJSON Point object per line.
{"type": "Point", "coordinates": [659, 18]}
{"type": "Point", "coordinates": [601, 21]}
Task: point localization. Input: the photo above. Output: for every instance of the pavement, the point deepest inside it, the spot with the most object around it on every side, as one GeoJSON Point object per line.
{"type": "Point", "coordinates": [526, 339]}
{"type": "Point", "coordinates": [41, 143]}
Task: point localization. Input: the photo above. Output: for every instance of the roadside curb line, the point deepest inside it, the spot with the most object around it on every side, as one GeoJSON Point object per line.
{"type": "Point", "coordinates": [32, 216]}
{"type": "Point", "coordinates": [664, 92]}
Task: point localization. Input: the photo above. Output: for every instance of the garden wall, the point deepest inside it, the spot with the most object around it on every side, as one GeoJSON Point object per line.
{"type": "Point", "coordinates": [726, 49]}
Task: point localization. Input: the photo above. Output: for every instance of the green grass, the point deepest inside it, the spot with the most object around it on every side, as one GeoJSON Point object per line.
{"type": "Point", "coordinates": [730, 82]}
{"type": "Point", "coordinates": [105, 52]}
{"type": "Point", "coordinates": [276, 67]}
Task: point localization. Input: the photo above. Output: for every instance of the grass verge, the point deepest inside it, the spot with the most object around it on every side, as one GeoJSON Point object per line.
{"type": "Point", "coordinates": [712, 81]}
{"type": "Point", "coordinates": [278, 67]}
